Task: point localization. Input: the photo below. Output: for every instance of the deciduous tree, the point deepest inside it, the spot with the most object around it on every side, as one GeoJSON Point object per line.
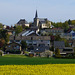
{"type": "Point", "coordinates": [18, 29]}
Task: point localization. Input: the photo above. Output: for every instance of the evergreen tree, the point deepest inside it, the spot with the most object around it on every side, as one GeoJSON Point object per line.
{"type": "Point", "coordinates": [24, 44]}
{"type": "Point", "coordinates": [69, 22]}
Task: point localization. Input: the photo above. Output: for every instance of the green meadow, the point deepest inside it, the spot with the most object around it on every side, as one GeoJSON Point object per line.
{"type": "Point", "coordinates": [11, 59]}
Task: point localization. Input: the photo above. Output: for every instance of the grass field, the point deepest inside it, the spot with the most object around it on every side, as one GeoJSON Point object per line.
{"type": "Point", "coordinates": [22, 65]}
{"type": "Point", "coordinates": [23, 60]}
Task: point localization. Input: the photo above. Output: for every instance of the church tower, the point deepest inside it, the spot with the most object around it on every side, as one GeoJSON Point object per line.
{"type": "Point", "coordinates": [36, 20]}
{"type": "Point", "coordinates": [36, 15]}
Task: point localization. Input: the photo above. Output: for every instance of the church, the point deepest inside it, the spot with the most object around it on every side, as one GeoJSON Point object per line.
{"type": "Point", "coordinates": [34, 40]}
{"type": "Point", "coordinates": [40, 22]}
{"type": "Point", "coordinates": [36, 26]}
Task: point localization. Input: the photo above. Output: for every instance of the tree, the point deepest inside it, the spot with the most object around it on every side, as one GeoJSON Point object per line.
{"type": "Point", "coordinates": [57, 51]}
{"type": "Point", "coordinates": [73, 29]}
{"type": "Point", "coordinates": [1, 25]}
{"type": "Point", "coordinates": [52, 48]}
{"type": "Point", "coordinates": [48, 24]}
{"type": "Point", "coordinates": [2, 42]}
{"type": "Point", "coordinates": [57, 38]}
{"type": "Point", "coordinates": [3, 34]}
{"type": "Point", "coordinates": [1, 52]}
{"type": "Point", "coordinates": [4, 38]}
{"type": "Point", "coordinates": [69, 22]}
{"type": "Point", "coordinates": [24, 44]}
{"type": "Point", "coordinates": [73, 22]}
{"type": "Point", "coordinates": [65, 26]}
{"type": "Point", "coordinates": [18, 29]}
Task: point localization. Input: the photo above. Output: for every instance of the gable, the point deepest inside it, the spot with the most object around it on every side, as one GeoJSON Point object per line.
{"type": "Point", "coordinates": [15, 44]}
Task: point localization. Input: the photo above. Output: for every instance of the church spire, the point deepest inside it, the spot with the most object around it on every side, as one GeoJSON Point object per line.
{"type": "Point", "coordinates": [36, 15]}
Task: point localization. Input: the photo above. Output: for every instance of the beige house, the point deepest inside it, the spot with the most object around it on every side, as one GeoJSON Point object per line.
{"type": "Point", "coordinates": [4, 26]}
{"type": "Point", "coordinates": [10, 32]}
{"type": "Point", "coordinates": [23, 23]}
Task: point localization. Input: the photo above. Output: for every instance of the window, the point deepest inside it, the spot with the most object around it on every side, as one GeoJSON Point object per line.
{"type": "Point", "coordinates": [67, 49]}
{"type": "Point", "coordinates": [41, 40]}
{"type": "Point", "coordinates": [9, 46]}
{"type": "Point", "coordinates": [31, 38]}
{"type": "Point", "coordinates": [30, 44]}
{"type": "Point", "coordinates": [17, 40]}
{"type": "Point", "coordinates": [35, 44]}
{"type": "Point", "coordinates": [48, 44]}
{"type": "Point", "coordinates": [58, 31]}
{"type": "Point", "coordinates": [17, 47]}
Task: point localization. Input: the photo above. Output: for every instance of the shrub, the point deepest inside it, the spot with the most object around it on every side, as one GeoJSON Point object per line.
{"type": "Point", "coordinates": [69, 55]}
{"type": "Point", "coordinates": [57, 51]}
{"type": "Point", "coordinates": [1, 53]}
{"type": "Point", "coordinates": [58, 56]}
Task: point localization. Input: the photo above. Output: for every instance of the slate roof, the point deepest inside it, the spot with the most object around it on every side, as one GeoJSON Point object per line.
{"type": "Point", "coordinates": [29, 37]}
{"type": "Point", "coordinates": [28, 33]}
{"type": "Point", "coordinates": [14, 43]}
{"type": "Point", "coordinates": [59, 44]}
{"type": "Point", "coordinates": [22, 21]}
{"type": "Point", "coordinates": [41, 48]}
{"type": "Point", "coordinates": [73, 34]}
{"type": "Point", "coordinates": [42, 20]}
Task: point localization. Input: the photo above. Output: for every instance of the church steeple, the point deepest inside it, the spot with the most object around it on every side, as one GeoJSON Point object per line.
{"type": "Point", "coordinates": [36, 19]}
{"type": "Point", "coordinates": [36, 15]}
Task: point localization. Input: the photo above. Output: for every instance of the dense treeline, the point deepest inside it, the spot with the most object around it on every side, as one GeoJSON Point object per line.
{"type": "Point", "coordinates": [4, 38]}
{"type": "Point", "coordinates": [64, 25]}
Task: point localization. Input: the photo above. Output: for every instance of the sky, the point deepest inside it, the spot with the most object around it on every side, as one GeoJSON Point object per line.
{"type": "Point", "coordinates": [11, 11]}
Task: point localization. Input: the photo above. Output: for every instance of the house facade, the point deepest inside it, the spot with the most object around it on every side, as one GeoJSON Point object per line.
{"type": "Point", "coordinates": [54, 31]}
{"type": "Point", "coordinates": [23, 23]}
{"type": "Point", "coordinates": [73, 44]}
{"type": "Point", "coordinates": [69, 36]}
{"type": "Point", "coordinates": [67, 51]}
{"type": "Point", "coordinates": [13, 47]}
{"type": "Point", "coordinates": [59, 44]}
{"type": "Point", "coordinates": [37, 42]}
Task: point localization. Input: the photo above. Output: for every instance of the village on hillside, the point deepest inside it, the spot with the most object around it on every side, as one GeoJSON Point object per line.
{"type": "Point", "coordinates": [40, 38]}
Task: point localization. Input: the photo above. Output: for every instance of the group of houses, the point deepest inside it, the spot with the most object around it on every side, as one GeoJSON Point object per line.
{"type": "Point", "coordinates": [40, 43]}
